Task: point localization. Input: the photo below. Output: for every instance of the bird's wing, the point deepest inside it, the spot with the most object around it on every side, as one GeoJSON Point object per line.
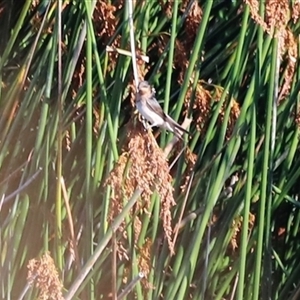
{"type": "Point", "coordinates": [154, 105]}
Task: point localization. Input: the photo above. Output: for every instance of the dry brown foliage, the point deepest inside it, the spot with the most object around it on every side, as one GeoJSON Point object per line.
{"type": "Point", "coordinates": [192, 22]}
{"type": "Point", "coordinates": [105, 19]}
{"type": "Point", "coordinates": [297, 119]}
{"type": "Point", "coordinates": [144, 262]}
{"type": "Point", "coordinates": [204, 95]}
{"type": "Point", "coordinates": [237, 225]}
{"type": "Point", "coordinates": [181, 60]}
{"type": "Point", "coordinates": [296, 11]}
{"type": "Point", "coordinates": [106, 22]}
{"type": "Point", "coordinates": [142, 166]}
{"type": "Point", "coordinates": [167, 7]}
{"type": "Point", "coordinates": [184, 43]}
{"type": "Point", "coordinates": [43, 274]}
{"type": "Point", "coordinates": [191, 159]}
{"type": "Point", "coordinates": [290, 44]}
{"type": "Point", "coordinates": [275, 22]}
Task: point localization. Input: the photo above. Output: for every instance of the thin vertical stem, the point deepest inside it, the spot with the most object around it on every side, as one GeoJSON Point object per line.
{"type": "Point", "coordinates": [58, 204]}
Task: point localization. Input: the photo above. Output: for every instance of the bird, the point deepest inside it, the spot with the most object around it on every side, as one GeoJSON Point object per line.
{"type": "Point", "coordinates": [149, 108]}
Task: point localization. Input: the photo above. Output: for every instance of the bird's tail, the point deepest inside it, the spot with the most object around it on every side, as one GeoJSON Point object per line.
{"type": "Point", "coordinates": [175, 125]}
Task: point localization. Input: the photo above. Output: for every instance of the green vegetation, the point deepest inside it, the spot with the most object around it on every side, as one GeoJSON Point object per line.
{"type": "Point", "coordinates": [93, 206]}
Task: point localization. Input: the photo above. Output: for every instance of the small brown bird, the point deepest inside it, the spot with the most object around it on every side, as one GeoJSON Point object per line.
{"type": "Point", "coordinates": [150, 109]}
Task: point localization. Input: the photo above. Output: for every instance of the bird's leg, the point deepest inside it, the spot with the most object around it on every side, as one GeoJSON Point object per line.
{"type": "Point", "coordinates": [145, 123]}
